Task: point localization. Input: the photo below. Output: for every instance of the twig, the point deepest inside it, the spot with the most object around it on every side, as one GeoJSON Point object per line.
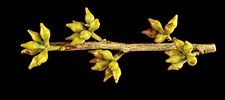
{"type": "Point", "coordinates": [130, 47]}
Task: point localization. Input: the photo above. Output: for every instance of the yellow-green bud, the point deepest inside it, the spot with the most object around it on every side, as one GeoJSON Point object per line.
{"type": "Point", "coordinates": [76, 26]}
{"type": "Point", "coordinates": [171, 25]}
{"type": "Point", "coordinates": [175, 59]}
{"type": "Point", "coordinates": [31, 45]}
{"type": "Point", "coordinates": [116, 75]}
{"type": "Point", "coordinates": [156, 25]}
{"type": "Point", "coordinates": [191, 60]}
{"type": "Point", "coordinates": [188, 47]}
{"type": "Point", "coordinates": [173, 52]}
{"type": "Point", "coordinates": [114, 67]}
{"type": "Point", "coordinates": [96, 53]}
{"type": "Point", "coordinates": [35, 36]}
{"type": "Point", "coordinates": [101, 65]}
{"type": "Point", "coordinates": [94, 25]}
{"type": "Point", "coordinates": [85, 34]}
{"type": "Point", "coordinates": [160, 38]}
{"type": "Point", "coordinates": [77, 40]}
{"type": "Point", "coordinates": [39, 59]}
{"type": "Point", "coordinates": [107, 55]}
{"type": "Point", "coordinates": [178, 43]}
{"type": "Point", "coordinates": [176, 66]}
{"type": "Point", "coordinates": [89, 17]}
{"type": "Point", "coordinates": [45, 33]}
{"type": "Point", "coordinates": [73, 36]}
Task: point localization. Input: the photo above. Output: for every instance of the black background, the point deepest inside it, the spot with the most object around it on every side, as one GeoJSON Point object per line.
{"type": "Point", "coordinates": [67, 75]}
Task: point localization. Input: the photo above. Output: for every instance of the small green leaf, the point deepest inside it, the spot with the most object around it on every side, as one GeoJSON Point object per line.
{"type": "Point", "coordinates": [171, 25]}
{"type": "Point", "coordinates": [85, 34]}
{"type": "Point", "coordinates": [101, 65]}
{"type": "Point", "coordinates": [94, 25]}
{"type": "Point", "coordinates": [73, 36]}
{"type": "Point", "coordinates": [31, 45]}
{"type": "Point", "coordinates": [45, 33]}
{"type": "Point", "coordinates": [39, 59]}
{"type": "Point", "coordinates": [156, 25]}
{"type": "Point", "coordinates": [76, 26]}
{"type": "Point", "coordinates": [89, 17]}
{"type": "Point", "coordinates": [35, 36]}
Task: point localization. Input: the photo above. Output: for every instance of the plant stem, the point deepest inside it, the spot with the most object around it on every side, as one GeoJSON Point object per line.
{"type": "Point", "coordinates": [130, 47]}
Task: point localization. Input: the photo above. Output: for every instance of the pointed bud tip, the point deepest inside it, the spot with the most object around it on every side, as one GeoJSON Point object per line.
{"type": "Point", "coordinates": [176, 16]}
{"type": "Point", "coordinates": [28, 30]}
{"type": "Point", "coordinates": [68, 25]}
{"type": "Point", "coordinates": [41, 24]}
{"type": "Point", "coordinates": [86, 10]}
{"type": "Point", "coordinates": [116, 80]}
{"type": "Point", "coordinates": [150, 19]}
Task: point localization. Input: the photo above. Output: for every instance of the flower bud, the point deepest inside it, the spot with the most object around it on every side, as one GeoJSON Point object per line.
{"type": "Point", "coordinates": [73, 36]}
{"type": "Point", "coordinates": [89, 17]}
{"type": "Point", "coordinates": [77, 40]}
{"type": "Point", "coordinates": [107, 55]}
{"type": "Point", "coordinates": [94, 25]}
{"type": "Point", "coordinates": [173, 52]}
{"type": "Point", "coordinates": [96, 53]}
{"type": "Point", "coordinates": [160, 38]}
{"type": "Point", "coordinates": [31, 45]}
{"type": "Point", "coordinates": [176, 66]}
{"type": "Point", "coordinates": [178, 43]}
{"type": "Point", "coordinates": [101, 65]}
{"type": "Point", "coordinates": [31, 52]}
{"type": "Point", "coordinates": [114, 67]}
{"type": "Point", "coordinates": [45, 33]}
{"type": "Point", "coordinates": [191, 60]}
{"type": "Point", "coordinates": [95, 60]}
{"type": "Point", "coordinates": [187, 47]}
{"type": "Point", "coordinates": [150, 32]}
{"type": "Point", "coordinates": [76, 26]}
{"type": "Point", "coordinates": [156, 25]}
{"type": "Point", "coordinates": [116, 75]}
{"type": "Point", "coordinates": [35, 36]}
{"type": "Point", "coordinates": [39, 59]}
{"type": "Point", "coordinates": [108, 74]}
{"type": "Point", "coordinates": [85, 34]}
{"type": "Point", "coordinates": [175, 59]}
{"type": "Point", "coordinates": [171, 25]}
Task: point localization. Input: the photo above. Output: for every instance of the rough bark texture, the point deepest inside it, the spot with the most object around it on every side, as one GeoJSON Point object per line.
{"type": "Point", "coordinates": [131, 47]}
